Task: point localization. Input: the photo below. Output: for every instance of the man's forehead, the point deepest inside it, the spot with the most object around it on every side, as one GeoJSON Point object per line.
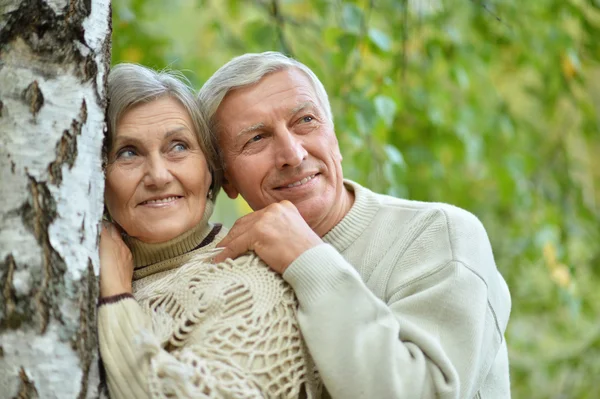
{"type": "Point", "coordinates": [272, 83]}
{"type": "Point", "coordinates": [232, 110]}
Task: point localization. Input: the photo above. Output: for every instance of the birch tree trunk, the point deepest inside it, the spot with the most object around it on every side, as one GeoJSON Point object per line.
{"type": "Point", "coordinates": [54, 57]}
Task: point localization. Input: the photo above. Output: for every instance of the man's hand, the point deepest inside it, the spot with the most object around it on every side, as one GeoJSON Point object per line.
{"type": "Point", "coordinates": [278, 234]}
{"type": "Point", "coordinates": [116, 262]}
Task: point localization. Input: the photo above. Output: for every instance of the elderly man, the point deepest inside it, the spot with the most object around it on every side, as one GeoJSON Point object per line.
{"type": "Point", "coordinates": [398, 298]}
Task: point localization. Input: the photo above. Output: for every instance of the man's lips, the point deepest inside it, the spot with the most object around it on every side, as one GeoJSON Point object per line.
{"type": "Point", "coordinates": [297, 182]}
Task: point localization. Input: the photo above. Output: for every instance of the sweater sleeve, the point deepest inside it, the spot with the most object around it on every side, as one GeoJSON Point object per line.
{"type": "Point", "coordinates": [138, 367]}
{"type": "Point", "coordinates": [434, 337]}
{"type": "Point", "coordinates": [119, 323]}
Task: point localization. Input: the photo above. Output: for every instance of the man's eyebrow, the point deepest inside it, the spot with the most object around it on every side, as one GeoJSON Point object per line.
{"type": "Point", "coordinates": [301, 106]}
{"type": "Point", "coordinates": [253, 128]}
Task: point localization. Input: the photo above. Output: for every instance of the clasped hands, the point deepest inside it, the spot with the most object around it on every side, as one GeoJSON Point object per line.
{"type": "Point", "coordinates": [277, 233]}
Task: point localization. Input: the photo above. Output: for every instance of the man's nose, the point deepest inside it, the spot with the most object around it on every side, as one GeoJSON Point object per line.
{"type": "Point", "coordinates": [157, 173]}
{"type": "Point", "coordinates": [289, 149]}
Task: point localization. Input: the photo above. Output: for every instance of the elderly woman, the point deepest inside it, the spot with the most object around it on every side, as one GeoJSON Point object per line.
{"type": "Point", "coordinates": [171, 323]}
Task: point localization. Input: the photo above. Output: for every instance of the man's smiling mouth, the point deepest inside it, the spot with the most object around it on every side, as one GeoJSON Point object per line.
{"type": "Point", "coordinates": [298, 182]}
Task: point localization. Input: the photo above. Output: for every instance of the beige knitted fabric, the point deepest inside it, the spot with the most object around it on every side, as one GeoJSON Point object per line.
{"type": "Point", "coordinates": [232, 330]}
{"type": "Point", "coordinates": [202, 330]}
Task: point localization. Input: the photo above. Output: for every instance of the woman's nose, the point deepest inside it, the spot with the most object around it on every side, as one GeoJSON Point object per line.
{"type": "Point", "coordinates": [157, 174]}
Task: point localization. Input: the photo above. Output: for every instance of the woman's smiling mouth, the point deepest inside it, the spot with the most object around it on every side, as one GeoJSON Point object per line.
{"type": "Point", "coordinates": [160, 201]}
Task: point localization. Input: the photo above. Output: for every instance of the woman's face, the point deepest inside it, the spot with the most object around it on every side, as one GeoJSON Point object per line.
{"type": "Point", "coordinates": [157, 178]}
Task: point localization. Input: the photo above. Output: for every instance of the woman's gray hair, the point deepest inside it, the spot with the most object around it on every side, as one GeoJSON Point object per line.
{"type": "Point", "coordinates": [131, 84]}
{"type": "Point", "coordinates": [247, 70]}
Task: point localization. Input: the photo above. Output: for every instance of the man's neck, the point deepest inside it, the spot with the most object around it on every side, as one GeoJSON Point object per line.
{"type": "Point", "coordinates": [339, 211]}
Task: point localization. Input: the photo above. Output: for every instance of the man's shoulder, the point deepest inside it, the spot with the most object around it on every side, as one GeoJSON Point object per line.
{"type": "Point", "coordinates": [461, 228]}
{"type": "Point", "coordinates": [456, 218]}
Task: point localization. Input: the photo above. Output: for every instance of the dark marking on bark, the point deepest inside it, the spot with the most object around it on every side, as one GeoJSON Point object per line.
{"type": "Point", "coordinates": [52, 37]}
{"type": "Point", "coordinates": [82, 231]}
{"type": "Point", "coordinates": [12, 166]}
{"type": "Point", "coordinates": [66, 149]}
{"type": "Point", "coordinates": [1, 351]}
{"type": "Point", "coordinates": [90, 69]}
{"type": "Point", "coordinates": [1, 108]}
{"type": "Point", "coordinates": [87, 338]}
{"type": "Point", "coordinates": [9, 317]}
{"type": "Point", "coordinates": [106, 57]}
{"type": "Point", "coordinates": [33, 97]}
{"type": "Point", "coordinates": [27, 389]}
{"type": "Point", "coordinates": [37, 215]}
{"type": "Point", "coordinates": [83, 113]}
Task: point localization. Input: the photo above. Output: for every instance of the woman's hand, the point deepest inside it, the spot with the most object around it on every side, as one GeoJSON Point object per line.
{"type": "Point", "coordinates": [116, 263]}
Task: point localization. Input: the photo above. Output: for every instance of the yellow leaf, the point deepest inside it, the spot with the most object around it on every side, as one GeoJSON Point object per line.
{"type": "Point", "coordinates": [132, 54]}
{"type": "Point", "coordinates": [568, 67]}
{"type": "Point", "coordinates": [561, 276]}
{"type": "Point", "coordinates": [550, 255]}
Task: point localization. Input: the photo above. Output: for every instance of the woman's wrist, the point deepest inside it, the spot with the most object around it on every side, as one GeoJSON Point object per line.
{"type": "Point", "coordinates": [113, 291]}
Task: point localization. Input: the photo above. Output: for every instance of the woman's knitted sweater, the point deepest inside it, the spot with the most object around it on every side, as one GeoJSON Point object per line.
{"type": "Point", "coordinates": [203, 330]}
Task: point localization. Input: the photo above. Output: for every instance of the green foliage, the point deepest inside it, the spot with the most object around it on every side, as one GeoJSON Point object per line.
{"type": "Point", "coordinates": [490, 105]}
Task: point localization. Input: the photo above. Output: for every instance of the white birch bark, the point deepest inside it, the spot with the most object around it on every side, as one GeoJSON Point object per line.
{"type": "Point", "coordinates": [54, 57]}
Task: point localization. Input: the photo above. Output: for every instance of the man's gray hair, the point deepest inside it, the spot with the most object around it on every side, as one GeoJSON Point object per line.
{"type": "Point", "coordinates": [247, 70]}
{"type": "Point", "coordinates": [131, 84]}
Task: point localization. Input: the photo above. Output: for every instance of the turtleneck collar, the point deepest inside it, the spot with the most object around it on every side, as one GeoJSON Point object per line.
{"type": "Point", "coordinates": [145, 254]}
{"type": "Point", "coordinates": [363, 211]}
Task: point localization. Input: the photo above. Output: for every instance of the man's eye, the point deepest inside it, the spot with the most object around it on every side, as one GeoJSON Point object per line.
{"type": "Point", "coordinates": [307, 119]}
{"type": "Point", "coordinates": [256, 138]}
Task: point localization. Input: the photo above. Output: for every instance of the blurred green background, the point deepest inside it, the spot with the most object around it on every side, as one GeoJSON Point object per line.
{"type": "Point", "coordinates": [493, 106]}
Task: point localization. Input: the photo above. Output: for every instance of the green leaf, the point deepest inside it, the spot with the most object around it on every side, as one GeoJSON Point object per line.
{"type": "Point", "coordinates": [380, 39]}
{"type": "Point", "coordinates": [386, 109]}
{"type": "Point", "coordinates": [352, 18]}
{"type": "Point", "coordinates": [394, 155]}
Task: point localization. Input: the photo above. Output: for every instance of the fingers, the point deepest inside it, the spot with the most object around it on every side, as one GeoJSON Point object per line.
{"type": "Point", "coordinates": [110, 231]}
{"type": "Point", "coordinates": [235, 247]}
{"type": "Point", "coordinates": [241, 226]}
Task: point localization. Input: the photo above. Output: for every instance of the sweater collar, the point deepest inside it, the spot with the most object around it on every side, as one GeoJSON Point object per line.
{"type": "Point", "coordinates": [145, 254]}
{"type": "Point", "coordinates": [356, 220]}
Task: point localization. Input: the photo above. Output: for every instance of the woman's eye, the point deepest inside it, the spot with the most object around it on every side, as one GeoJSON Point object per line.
{"type": "Point", "coordinates": [178, 147]}
{"type": "Point", "coordinates": [307, 119]}
{"type": "Point", "coordinates": [126, 153]}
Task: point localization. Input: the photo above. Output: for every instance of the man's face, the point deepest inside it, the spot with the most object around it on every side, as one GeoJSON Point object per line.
{"type": "Point", "coordinates": [278, 144]}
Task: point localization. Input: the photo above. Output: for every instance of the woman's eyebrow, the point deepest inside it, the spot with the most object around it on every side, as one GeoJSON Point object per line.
{"type": "Point", "coordinates": [175, 131]}
{"type": "Point", "coordinates": [126, 139]}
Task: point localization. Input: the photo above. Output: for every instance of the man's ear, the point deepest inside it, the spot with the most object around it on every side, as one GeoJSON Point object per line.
{"type": "Point", "coordinates": [229, 189]}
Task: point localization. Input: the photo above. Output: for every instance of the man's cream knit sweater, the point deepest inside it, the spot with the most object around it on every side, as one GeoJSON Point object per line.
{"type": "Point", "coordinates": [193, 329]}
{"type": "Point", "coordinates": [404, 301]}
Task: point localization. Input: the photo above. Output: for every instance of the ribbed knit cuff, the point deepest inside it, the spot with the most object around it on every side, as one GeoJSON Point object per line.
{"type": "Point", "coordinates": [113, 298]}
{"type": "Point", "coordinates": [317, 272]}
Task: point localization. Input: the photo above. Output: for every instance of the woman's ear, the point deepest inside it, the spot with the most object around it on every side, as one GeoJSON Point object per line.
{"type": "Point", "coordinates": [106, 215]}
